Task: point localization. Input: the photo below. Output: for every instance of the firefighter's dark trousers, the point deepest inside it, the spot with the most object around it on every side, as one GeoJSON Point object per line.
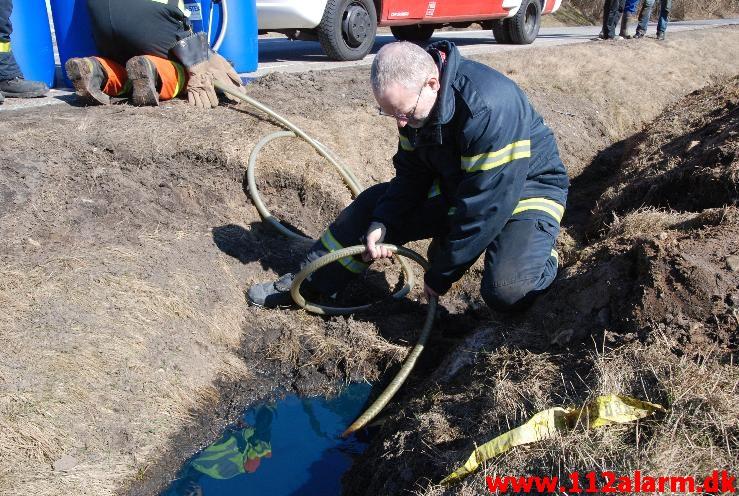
{"type": "Point", "coordinates": [125, 29]}
{"type": "Point", "coordinates": [519, 263]}
{"type": "Point", "coordinates": [8, 67]}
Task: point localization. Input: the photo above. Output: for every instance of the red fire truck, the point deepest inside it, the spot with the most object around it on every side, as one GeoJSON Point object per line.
{"type": "Point", "coordinates": [346, 29]}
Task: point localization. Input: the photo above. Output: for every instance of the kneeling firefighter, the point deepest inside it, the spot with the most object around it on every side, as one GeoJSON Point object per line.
{"type": "Point", "coordinates": [147, 48]}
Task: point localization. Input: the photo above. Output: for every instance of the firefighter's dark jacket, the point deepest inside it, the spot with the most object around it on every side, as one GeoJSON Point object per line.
{"type": "Point", "coordinates": [491, 156]}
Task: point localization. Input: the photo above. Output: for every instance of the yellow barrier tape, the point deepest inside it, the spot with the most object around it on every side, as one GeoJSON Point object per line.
{"type": "Point", "coordinates": [603, 410]}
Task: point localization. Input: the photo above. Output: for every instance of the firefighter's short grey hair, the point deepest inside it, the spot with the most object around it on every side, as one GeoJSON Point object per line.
{"type": "Point", "coordinates": [401, 63]}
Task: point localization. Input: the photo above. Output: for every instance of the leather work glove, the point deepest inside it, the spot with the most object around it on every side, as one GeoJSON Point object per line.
{"type": "Point", "coordinates": [225, 74]}
{"type": "Point", "coordinates": [194, 53]}
{"type": "Point", "coordinates": [200, 90]}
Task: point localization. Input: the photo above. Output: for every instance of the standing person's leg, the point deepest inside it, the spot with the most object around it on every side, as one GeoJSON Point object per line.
{"type": "Point", "coordinates": [606, 12]}
{"type": "Point", "coordinates": [644, 15]}
{"type": "Point", "coordinates": [521, 262]}
{"type": "Point", "coordinates": [8, 67]}
{"type": "Point", "coordinates": [349, 229]}
{"type": "Point", "coordinates": [614, 14]}
{"type": "Point", "coordinates": [629, 10]}
{"type": "Point", "coordinates": [664, 17]}
{"type": "Point", "coordinates": [12, 83]}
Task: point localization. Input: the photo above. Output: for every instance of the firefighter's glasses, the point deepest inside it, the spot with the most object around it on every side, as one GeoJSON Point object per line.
{"type": "Point", "coordinates": [409, 116]}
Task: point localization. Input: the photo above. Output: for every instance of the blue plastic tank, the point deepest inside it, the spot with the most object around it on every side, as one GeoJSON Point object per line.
{"type": "Point", "coordinates": [73, 31]}
{"type": "Point", "coordinates": [236, 37]}
{"type": "Point", "coordinates": [31, 40]}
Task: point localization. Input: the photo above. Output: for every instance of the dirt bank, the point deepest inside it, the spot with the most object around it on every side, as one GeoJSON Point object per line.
{"type": "Point", "coordinates": [128, 241]}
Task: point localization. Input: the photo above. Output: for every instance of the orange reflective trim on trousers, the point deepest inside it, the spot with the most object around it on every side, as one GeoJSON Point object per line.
{"type": "Point", "coordinates": [172, 76]}
{"type": "Point", "coordinates": [117, 83]}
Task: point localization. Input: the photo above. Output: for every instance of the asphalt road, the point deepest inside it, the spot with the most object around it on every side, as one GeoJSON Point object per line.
{"type": "Point", "coordinates": [283, 55]}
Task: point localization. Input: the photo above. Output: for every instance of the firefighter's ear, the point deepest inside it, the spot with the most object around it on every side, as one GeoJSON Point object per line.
{"type": "Point", "coordinates": [434, 83]}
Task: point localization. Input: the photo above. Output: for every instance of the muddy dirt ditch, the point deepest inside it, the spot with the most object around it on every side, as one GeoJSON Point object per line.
{"type": "Point", "coordinates": [128, 241]}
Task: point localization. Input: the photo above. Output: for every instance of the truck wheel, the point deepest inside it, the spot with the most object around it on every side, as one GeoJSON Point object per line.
{"type": "Point", "coordinates": [524, 26]}
{"type": "Point", "coordinates": [502, 31]}
{"type": "Point", "coordinates": [347, 30]}
{"type": "Point", "coordinates": [417, 33]}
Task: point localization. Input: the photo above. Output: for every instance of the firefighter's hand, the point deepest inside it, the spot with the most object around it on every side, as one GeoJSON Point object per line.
{"type": "Point", "coordinates": [429, 293]}
{"type": "Point", "coordinates": [375, 234]}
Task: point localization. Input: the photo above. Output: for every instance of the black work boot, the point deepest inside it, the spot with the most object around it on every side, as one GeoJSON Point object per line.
{"type": "Point", "coordinates": [661, 36]}
{"type": "Point", "coordinates": [272, 294]}
{"type": "Point", "coordinates": [22, 88]}
{"type": "Point", "coordinates": [88, 78]}
{"type": "Point", "coordinates": [143, 74]}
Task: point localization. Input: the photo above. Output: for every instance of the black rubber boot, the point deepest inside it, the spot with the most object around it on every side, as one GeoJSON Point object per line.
{"type": "Point", "coordinates": [272, 294]}
{"type": "Point", "coordinates": [661, 36]}
{"type": "Point", "coordinates": [88, 78]}
{"type": "Point", "coordinates": [143, 74]}
{"type": "Point", "coordinates": [22, 88]}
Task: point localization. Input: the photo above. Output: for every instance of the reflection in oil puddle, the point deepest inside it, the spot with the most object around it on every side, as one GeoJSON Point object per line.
{"type": "Point", "coordinates": [291, 447]}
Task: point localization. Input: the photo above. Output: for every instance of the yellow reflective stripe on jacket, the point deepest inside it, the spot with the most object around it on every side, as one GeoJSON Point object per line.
{"type": "Point", "coordinates": [181, 78]}
{"type": "Point", "coordinates": [349, 263]}
{"type": "Point", "coordinates": [4, 46]}
{"type": "Point", "coordinates": [543, 204]}
{"type": "Point", "coordinates": [405, 144]}
{"type": "Point", "coordinates": [435, 189]}
{"type": "Point", "coordinates": [491, 160]}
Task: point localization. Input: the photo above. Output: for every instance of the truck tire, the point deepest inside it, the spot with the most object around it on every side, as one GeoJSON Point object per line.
{"type": "Point", "coordinates": [347, 30]}
{"type": "Point", "coordinates": [417, 33]}
{"type": "Point", "coordinates": [502, 31]}
{"type": "Point", "coordinates": [524, 26]}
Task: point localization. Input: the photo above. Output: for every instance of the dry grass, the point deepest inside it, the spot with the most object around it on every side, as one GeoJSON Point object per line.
{"type": "Point", "coordinates": [681, 9]}
{"type": "Point", "coordinates": [649, 220]}
{"type": "Point", "coordinates": [347, 347]}
{"type": "Point", "coordinates": [698, 434]}
{"type": "Point", "coordinates": [101, 348]}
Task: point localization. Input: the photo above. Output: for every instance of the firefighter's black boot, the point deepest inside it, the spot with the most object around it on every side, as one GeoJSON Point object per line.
{"type": "Point", "coordinates": [22, 88]}
{"type": "Point", "coordinates": [272, 294]}
{"type": "Point", "coordinates": [88, 78]}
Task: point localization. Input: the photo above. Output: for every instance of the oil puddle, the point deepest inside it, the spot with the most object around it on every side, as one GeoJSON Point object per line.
{"type": "Point", "coordinates": [290, 447]}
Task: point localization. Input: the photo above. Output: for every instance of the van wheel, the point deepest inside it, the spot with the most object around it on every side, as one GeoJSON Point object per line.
{"type": "Point", "coordinates": [347, 30]}
{"type": "Point", "coordinates": [524, 26]}
{"type": "Point", "coordinates": [502, 31]}
{"type": "Point", "coordinates": [417, 33]}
